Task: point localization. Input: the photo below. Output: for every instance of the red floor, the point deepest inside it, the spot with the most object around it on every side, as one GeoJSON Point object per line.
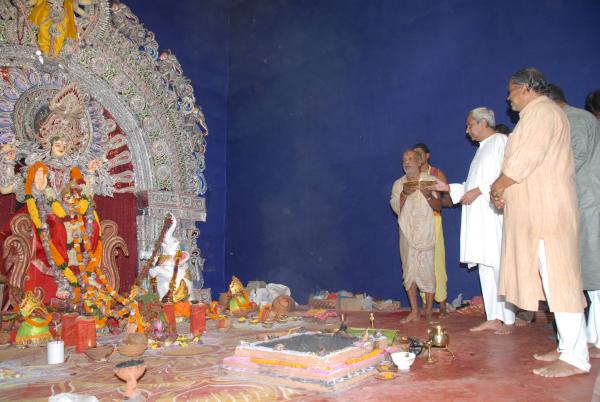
{"type": "Point", "coordinates": [486, 367]}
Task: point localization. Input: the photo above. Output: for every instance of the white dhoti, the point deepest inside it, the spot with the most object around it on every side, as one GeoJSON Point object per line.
{"type": "Point", "coordinates": [495, 307]}
{"type": "Point", "coordinates": [593, 322]}
{"type": "Point", "coordinates": [572, 337]}
{"type": "Point", "coordinates": [417, 243]}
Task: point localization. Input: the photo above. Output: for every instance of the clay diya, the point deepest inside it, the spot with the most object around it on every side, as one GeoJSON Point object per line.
{"type": "Point", "coordinates": [133, 345]}
{"type": "Point", "coordinates": [130, 371]}
{"type": "Point", "coordinates": [100, 353]}
{"type": "Point", "coordinates": [386, 366]}
{"type": "Point", "coordinates": [223, 324]}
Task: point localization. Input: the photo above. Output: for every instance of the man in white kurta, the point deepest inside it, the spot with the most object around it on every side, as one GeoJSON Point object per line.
{"type": "Point", "coordinates": [481, 222]}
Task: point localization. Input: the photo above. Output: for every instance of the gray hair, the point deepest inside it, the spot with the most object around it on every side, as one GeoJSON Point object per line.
{"type": "Point", "coordinates": [533, 78]}
{"type": "Point", "coordinates": [483, 113]}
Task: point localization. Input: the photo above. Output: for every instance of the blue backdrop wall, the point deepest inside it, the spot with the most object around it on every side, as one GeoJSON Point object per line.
{"type": "Point", "coordinates": [198, 34]}
{"type": "Point", "coordinates": [324, 97]}
{"type": "Point", "coordinates": [311, 103]}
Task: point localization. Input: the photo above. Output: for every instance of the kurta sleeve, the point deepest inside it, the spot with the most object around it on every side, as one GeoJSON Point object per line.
{"type": "Point", "coordinates": [457, 190]}
{"type": "Point", "coordinates": [580, 141]}
{"type": "Point", "coordinates": [493, 166]}
{"type": "Point", "coordinates": [395, 197]}
{"type": "Point", "coordinates": [529, 143]}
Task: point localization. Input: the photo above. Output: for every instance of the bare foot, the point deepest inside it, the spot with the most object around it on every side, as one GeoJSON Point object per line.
{"type": "Point", "coordinates": [521, 323]}
{"type": "Point", "coordinates": [428, 316]}
{"type": "Point", "coordinates": [443, 310]}
{"type": "Point", "coordinates": [492, 325]}
{"type": "Point", "coordinates": [504, 330]}
{"type": "Point", "coordinates": [413, 316]}
{"type": "Point", "coordinates": [558, 369]}
{"type": "Point", "coordinates": [551, 356]}
{"type": "Point", "coordinates": [594, 352]}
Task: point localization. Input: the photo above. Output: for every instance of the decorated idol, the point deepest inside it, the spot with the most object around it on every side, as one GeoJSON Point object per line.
{"type": "Point", "coordinates": [58, 184]}
{"type": "Point", "coordinates": [171, 272]}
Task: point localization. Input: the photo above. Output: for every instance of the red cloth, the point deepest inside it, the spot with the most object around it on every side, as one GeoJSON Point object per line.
{"type": "Point", "coordinates": [122, 209]}
{"type": "Point", "coordinates": [169, 310]}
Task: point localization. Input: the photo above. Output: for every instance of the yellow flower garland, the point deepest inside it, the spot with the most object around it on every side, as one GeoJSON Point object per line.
{"type": "Point", "coordinates": [366, 356]}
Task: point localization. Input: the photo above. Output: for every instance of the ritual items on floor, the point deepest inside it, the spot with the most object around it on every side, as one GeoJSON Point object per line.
{"type": "Point", "coordinates": [403, 360]}
{"type": "Point", "coordinates": [240, 303]}
{"type": "Point", "coordinates": [197, 318]}
{"type": "Point", "coordinates": [283, 305]}
{"type": "Point", "coordinates": [86, 334]}
{"type": "Point", "coordinates": [130, 371]}
{"type": "Point", "coordinates": [100, 353]}
{"type": "Point", "coordinates": [34, 330]}
{"type": "Point", "coordinates": [56, 352]}
{"type": "Point", "coordinates": [346, 301]}
{"type": "Point", "coordinates": [438, 335]}
{"type": "Point", "coordinates": [320, 314]}
{"type": "Point", "coordinates": [262, 293]}
{"type": "Point", "coordinates": [133, 345]}
{"type": "Point", "coordinates": [223, 323]}
{"type": "Point", "coordinates": [438, 338]}
{"type": "Point", "coordinates": [68, 328]}
{"type": "Point", "coordinates": [386, 305]}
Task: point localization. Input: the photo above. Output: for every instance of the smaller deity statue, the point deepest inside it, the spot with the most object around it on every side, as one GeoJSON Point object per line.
{"type": "Point", "coordinates": [56, 22]}
{"type": "Point", "coordinates": [171, 271]}
{"type": "Point", "coordinates": [35, 328]}
{"type": "Point", "coordinates": [240, 304]}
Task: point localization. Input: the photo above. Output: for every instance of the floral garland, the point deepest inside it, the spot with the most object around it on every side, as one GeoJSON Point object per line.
{"type": "Point", "coordinates": [269, 362]}
{"type": "Point", "coordinates": [89, 265]}
{"type": "Point", "coordinates": [39, 324]}
{"type": "Point", "coordinates": [366, 356]}
{"type": "Point", "coordinates": [56, 260]}
{"type": "Point", "coordinates": [91, 269]}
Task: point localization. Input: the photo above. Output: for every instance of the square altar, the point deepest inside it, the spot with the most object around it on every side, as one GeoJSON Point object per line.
{"type": "Point", "coordinates": [314, 361]}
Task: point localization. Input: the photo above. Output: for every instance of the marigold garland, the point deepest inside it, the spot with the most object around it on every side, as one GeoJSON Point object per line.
{"type": "Point", "coordinates": [39, 324]}
{"type": "Point", "coordinates": [93, 264]}
{"type": "Point", "coordinates": [366, 356]}
{"type": "Point", "coordinates": [269, 362]}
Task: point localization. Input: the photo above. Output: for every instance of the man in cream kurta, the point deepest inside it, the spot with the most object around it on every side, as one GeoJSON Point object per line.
{"type": "Point", "coordinates": [481, 222]}
{"type": "Point", "coordinates": [414, 208]}
{"type": "Point", "coordinates": [540, 255]}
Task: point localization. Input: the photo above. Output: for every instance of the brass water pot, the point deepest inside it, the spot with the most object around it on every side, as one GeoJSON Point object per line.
{"type": "Point", "coordinates": [438, 336]}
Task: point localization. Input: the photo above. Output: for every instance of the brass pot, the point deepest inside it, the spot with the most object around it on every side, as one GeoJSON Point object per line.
{"type": "Point", "coordinates": [438, 336]}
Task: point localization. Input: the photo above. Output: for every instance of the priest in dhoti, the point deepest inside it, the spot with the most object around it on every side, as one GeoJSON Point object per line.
{"type": "Point", "coordinates": [585, 141]}
{"type": "Point", "coordinates": [414, 204]}
{"type": "Point", "coordinates": [540, 250]}
{"type": "Point", "coordinates": [441, 278]}
{"type": "Point", "coordinates": [481, 222]}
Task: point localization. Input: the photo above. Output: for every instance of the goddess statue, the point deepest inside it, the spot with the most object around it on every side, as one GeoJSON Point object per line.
{"type": "Point", "coordinates": [58, 185]}
{"type": "Point", "coordinates": [171, 271]}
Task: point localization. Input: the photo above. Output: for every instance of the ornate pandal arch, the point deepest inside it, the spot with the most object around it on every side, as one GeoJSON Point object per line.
{"type": "Point", "coordinates": [117, 62]}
